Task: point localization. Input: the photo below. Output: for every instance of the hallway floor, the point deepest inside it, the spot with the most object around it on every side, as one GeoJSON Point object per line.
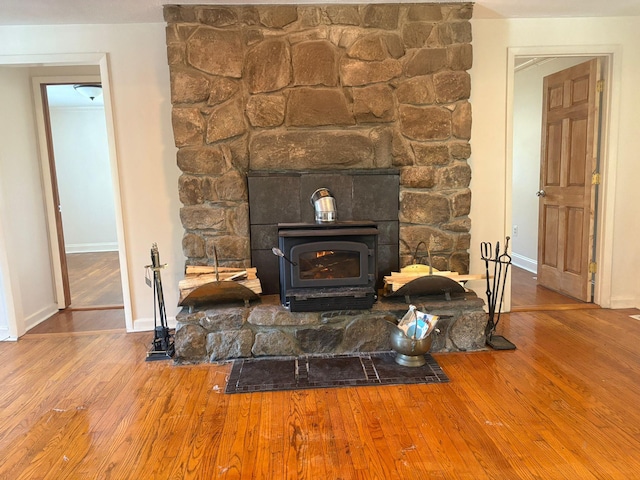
{"type": "Point", "coordinates": [96, 296]}
{"type": "Point", "coordinates": [526, 295]}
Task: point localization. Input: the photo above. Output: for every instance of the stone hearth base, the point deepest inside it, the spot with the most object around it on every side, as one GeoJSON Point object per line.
{"type": "Point", "coordinates": [265, 328]}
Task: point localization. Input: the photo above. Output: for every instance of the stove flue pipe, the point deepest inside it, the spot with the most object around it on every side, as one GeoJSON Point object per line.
{"type": "Point", "coordinates": [324, 205]}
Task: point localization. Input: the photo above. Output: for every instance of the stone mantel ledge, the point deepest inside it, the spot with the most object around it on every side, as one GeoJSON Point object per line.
{"type": "Point", "coordinates": [265, 328]}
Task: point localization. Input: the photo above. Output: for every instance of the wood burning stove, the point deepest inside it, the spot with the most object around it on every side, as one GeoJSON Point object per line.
{"type": "Point", "coordinates": [359, 196]}
{"type": "Point", "coordinates": [328, 266]}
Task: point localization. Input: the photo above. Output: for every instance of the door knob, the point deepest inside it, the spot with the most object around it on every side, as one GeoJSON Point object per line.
{"type": "Point", "coordinates": [541, 193]}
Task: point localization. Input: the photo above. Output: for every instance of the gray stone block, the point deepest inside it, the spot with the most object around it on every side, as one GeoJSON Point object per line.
{"type": "Point", "coordinates": [190, 343]}
{"type": "Point", "coordinates": [319, 340]}
{"type": "Point", "coordinates": [224, 318]}
{"type": "Point", "coordinates": [274, 343]}
{"type": "Point", "coordinates": [228, 344]}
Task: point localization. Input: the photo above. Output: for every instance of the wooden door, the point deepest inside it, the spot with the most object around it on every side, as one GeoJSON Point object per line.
{"type": "Point", "coordinates": [569, 161]}
{"type": "Point", "coordinates": [56, 198]}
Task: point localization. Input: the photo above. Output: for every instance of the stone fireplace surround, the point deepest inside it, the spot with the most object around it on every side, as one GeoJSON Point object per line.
{"type": "Point", "coordinates": [321, 89]}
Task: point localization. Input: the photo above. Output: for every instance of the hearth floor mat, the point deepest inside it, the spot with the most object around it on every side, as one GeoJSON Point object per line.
{"type": "Point", "coordinates": [328, 371]}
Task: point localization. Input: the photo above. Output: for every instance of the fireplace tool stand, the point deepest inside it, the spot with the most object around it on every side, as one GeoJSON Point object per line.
{"type": "Point", "coordinates": [162, 347]}
{"type": "Point", "coordinates": [495, 288]}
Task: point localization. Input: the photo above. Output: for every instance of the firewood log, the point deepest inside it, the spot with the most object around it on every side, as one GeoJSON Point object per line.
{"type": "Point", "coordinates": [397, 280]}
{"type": "Point", "coordinates": [201, 275]}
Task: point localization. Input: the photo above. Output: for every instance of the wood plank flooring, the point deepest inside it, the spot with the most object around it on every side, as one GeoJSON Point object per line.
{"type": "Point", "coordinates": [563, 405]}
{"type": "Point", "coordinates": [96, 296]}
{"type": "Point", "coordinates": [94, 280]}
{"type": "Point", "coordinates": [74, 321]}
{"type": "Point", "coordinates": [526, 295]}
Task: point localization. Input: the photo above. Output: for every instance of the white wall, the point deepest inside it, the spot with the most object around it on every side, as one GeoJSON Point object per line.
{"type": "Point", "coordinates": [4, 316]}
{"type": "Point", "coordinates": [84, 179]}
{"type": "Point", "coordinates": [26, 261]}
{"type": "Point", "coordinates": [527, 122]}
{"type": "Point", "coordinates": [147, 171]}
{"type": "Point", "coordinates": [490, 209]}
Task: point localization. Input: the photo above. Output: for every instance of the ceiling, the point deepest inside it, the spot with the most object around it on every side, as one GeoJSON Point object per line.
{"type": "Point", "coordinates": [45, 12]}
{"type": "Point", "coordinates": [67, 96]}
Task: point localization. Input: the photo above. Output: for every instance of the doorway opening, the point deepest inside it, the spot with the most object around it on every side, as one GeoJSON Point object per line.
{"type": "Point", "coordinates": [30, 271]}
{"type": "Point", "coordinates": [81, 180]}
{"type": "Point", "coordinates": [529, 144]}
{"type": "Point", "coordinates": [81, 192]}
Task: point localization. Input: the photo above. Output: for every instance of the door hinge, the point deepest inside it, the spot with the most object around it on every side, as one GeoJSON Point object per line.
{"type": "Point", "coordinates": [593, 267]}
{"type": "Point", "coordinates": [600, 86]}
{"type": "Point", "coordinates": [595, 178]}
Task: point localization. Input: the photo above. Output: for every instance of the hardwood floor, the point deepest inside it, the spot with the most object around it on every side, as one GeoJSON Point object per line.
{"type": "Point", "coordinates": [94, 280]}
{"type": "Point", "coordinates": [96, 296]}
{"type": "Point", "coordinates": [526, 295]}
{"type": "Point", "coordinates": [563, 405]}
{"type": "Point", "coordinates": [75, 321]}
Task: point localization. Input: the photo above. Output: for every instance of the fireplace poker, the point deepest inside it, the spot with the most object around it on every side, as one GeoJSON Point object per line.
{"type": "Point", "coordinates": [496, 281]}
{"type": "Point", "coordinates": [278, 253]}
{"type": "Point", "coordinates": [485, 253]}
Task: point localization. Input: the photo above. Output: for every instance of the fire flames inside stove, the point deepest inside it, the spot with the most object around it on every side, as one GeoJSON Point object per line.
{"type": "Point", "coordinates": [329, 264]}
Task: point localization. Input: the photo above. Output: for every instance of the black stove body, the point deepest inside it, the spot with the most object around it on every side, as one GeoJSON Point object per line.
{"type": "Point", "coordinates": [328, 266]}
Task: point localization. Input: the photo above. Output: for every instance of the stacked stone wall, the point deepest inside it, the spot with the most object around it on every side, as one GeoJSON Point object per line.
{"type": "Point", "coordinates": [322, 88]}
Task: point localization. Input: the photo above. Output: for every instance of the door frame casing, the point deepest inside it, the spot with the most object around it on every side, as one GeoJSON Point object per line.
{"type": "Point", "coordinates": [76, 59]}
{"type": "Point", "coordinates": [608, 149]}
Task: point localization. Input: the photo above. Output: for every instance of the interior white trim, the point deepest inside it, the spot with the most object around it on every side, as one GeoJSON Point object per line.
{"type": "Point", "coordinates": [115, 175]}
{"type": "Point", "coordinates": [148, 324]}
{"type": "Point", "coordinates": [90, 247]}
{"type": "Point", "coordinates": [526, 263]}
{"type": "Point", "coordinates": [40, 316]}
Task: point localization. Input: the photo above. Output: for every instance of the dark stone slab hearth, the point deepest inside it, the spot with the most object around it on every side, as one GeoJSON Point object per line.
{"type": "Point", "coordinates": [328, 371]}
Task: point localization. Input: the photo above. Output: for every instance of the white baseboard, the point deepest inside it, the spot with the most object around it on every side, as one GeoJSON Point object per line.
{"type": "Point", "coordinates": [40, 316]}
{"type": "Point", "coordinates": [520, 261]}
{"type": "Point", "coordinates": [91, 247]}
{"type": "Point", "coordinates": [622, 302]}
{"type": "Point", "coordinates": [148, 324]}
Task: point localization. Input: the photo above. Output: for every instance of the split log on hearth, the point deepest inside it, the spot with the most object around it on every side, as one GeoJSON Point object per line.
{"type": "Point", "coordinates": [224, 272]}
{"type": "Point", "coordinates": [397, 280]}
{"type": "Point", "coordinates": [203, 284]}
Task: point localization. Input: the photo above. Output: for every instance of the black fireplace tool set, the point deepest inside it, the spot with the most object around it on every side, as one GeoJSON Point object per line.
{"type": "Point", "coordinates": [162, 347]}
{"type": "Point", "coordinates": [495, 291]}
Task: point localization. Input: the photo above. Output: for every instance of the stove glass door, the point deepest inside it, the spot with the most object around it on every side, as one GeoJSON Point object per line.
{"type": "Point", "coordinates": [329, 264]}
